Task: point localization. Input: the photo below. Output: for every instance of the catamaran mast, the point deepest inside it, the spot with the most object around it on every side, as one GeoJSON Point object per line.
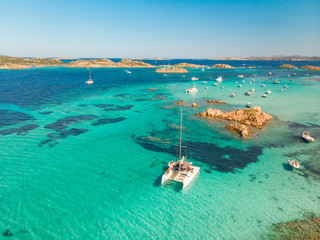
{"type": "Point", "coordinates": [180, 135]}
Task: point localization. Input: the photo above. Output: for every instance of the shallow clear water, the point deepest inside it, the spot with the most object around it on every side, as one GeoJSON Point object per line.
{"type": "Point", "coordinates": [78, 161]}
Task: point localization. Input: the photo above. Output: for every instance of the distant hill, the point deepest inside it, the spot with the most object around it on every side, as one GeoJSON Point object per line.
{"type": "Point", "coordinates": [279, 58]}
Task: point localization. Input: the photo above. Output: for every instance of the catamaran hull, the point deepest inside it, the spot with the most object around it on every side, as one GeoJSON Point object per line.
{"type": "Point", "coordinates": [190, 177]}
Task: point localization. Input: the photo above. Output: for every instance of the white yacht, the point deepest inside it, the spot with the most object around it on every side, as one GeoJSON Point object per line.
{"type": "Point", "coordinates": [294, 164]}
{"type": "Point", "coordinates": [181, 170]}
{"type": "Point", "coordinates": [240, 76]}
{"type": "Point", "coordinates": [219, 79]}
{"type": "Point", "coordinates": [306, 136]}
{"type": "Point", "coordinates": [89, 81]}
{"type": "Point", "coordinates": [192, 89]}
{"type": "Point", "coordinates": [194, 79]}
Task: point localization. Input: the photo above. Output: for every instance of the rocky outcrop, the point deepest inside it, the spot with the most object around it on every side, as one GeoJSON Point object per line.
{"type": "Point", "coordinates": [311, 68]}
{"type": "Point", "coordinates": [241, 129]}
{"type": "Point", "coordinates": [253, 117]}
{"type": "Point", "coordinates": [300, 229]}
{"type": "Point", "coordinates": [222, 66]}
{"type": "Point", "coordinates": [98, 63]}
{"type": "Point", "coordinates": [216, 102]}
{"type": "Point", "coordinates": [171, 70]}
{"type": "Point", "coordinates": [179, 102]}
{"type": "Point", "coordinates": [189, 65]}
{"type": "Point", "coordinates": [289, 66]}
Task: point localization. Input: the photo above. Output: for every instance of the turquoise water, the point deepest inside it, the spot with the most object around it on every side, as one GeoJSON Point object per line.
{"type": "Point", "coordinates": [85, 162]}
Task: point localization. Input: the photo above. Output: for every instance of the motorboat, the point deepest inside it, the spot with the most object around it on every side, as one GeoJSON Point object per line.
{"type": "Point", "coordinates": [219, 79]}
{"type": "Point", "coordinates": [247, 93]}
{"type": "Point", "coordinates": [285, 86]}
{"type": "Point", "coordinates": [263, 85]}
{"type": "Point", "coordinates": [276, 81]}
{"type": "Point", "coordinates": [252, 89]}
{"type": "Point", "coordinates": [268, 91]}
{"type": "Point", "coordinates": [232, 95]}
{"type": "Point", "coordinates": [240, 76]}
{"type": "Point", "coordinates": [127, 71]}
{"type": "Point", "coordinates": [248, 105]}
{"type": "Point", "coordinates": [294, 164]}
{"type": "Point", "coordinates": [264, 95]}
{"type": "Point", "coordinates": [215, 84]}
{"type": "Point", "coordinates": [243, 81]}
{"type": "Point", "coordinates": [194, 78]}
{"type": "Point", "coordinates": [192, 90]}
{"type": "Point", "coordinates": [202, 70]}
{"type": "Point", "coordinates": [281, 90]}
{"type": "Point", "coordinates": [204, 82]}
{"type": "Point", "coordinates": [306, 137]}
{"type": "Point", "coordinates": [183, 75]}
{"type": "Point", "coordinates": [240, 85]}
{"type": "Point", "coordinates": [221, 87]}
{"type": "Point", "coordinates": [270, 73]}
{"type": "Point", "coordinates": [181, 170]}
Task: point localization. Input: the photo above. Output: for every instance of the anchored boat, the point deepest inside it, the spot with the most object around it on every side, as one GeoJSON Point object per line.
{"type": "Point", "coordinates": [181, 170]}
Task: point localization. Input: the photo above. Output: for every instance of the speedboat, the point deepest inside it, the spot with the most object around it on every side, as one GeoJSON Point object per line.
{"type": "Point", "coordinates": [268, 91]}
{"type": "Point", "coordinates": [240, 76]}
{"type": "Point", "coordinates": [204, 82]}
{"type": "Point", "coordinates": [219, 79]}
{"type": "Point", "coordinates": [192, 90]}
{"type": "Point", "coordinates": [127, 71]}
{"type": "Point", "coordinates": [276, 81]}
{"type": "Point", "coordinates": [294, 164]}
{"type": "Point", "coordinates": [248, 105]}
{"type": "Point", "coordinates": [215, 84]}
{"type": "Point", "coordinates": [194, 79]}
{"type": "Point", "coordinates": [253, 80]}
{"type": "Point", "coordinates": [270, 73]}
{"type": "Point", "coordinates": [263, 85]}
{"type": "Point", "coordinates": [281, 90]}
{"type": "Point", "coordinates": [306, 136]}
{"type": "Point", "coordinates": [264, 95]}
{"type": "Point", "coordinates": [247, 93]}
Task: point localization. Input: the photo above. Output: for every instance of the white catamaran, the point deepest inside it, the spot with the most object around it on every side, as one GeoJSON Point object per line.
{"type": "Point", "coordinates": [181, 170]}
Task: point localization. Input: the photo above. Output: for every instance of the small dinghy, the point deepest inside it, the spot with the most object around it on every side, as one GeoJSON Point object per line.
{"type": "Point", "coordinates": [215, 84]}
{"type": "Point", "coordinates": [264, 95]}
{"type": "Point", "coordinates": [240, 85]}
{"type": "Point", "coordinates": [221, 87]}
{"type": "Point", "coordinates": [243, 81]}
{"type": "Point", "coordinates": [306, 136]}
{"type": "Point", "coordinates": [248, 105]}
{"type": "Point", "coordinates": [285, 86]}
{"type": "Point", "coordinates": [232, 95]}
{"type": "Point", "coordinates": [247, 93]}
{"type": "Point", "coordinates": [252, 89]}
{"type": "Point", "coordinates": [294, 164]}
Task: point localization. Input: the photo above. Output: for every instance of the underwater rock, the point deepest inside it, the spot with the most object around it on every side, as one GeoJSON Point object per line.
{"type": "Point", "coordinates": [300, 229]}
{"type": "Point", "coordinates": [216, 102]}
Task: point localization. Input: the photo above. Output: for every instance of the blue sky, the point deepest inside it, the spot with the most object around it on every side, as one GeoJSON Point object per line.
{"type": "Point", "coordinates": [166, 29]}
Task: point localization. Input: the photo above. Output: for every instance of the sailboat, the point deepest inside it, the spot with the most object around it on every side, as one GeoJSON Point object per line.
{"type": "Point", "coordinates": [89, 81]}
{"type": "Point", "coordinates": [181, 170]}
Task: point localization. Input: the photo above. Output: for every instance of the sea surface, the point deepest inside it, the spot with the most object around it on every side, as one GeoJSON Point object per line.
{"type": "Point", "coordinates": [85, 162]}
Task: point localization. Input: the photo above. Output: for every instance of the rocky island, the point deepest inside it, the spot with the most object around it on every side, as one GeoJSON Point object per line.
{"type": "Point", "coordinates": [189, 65]}
{"type": "Point", "coordinates": [97, 63]}
{"type": "Point", "coordinates": [311, 68]}
{"type": "Point", "coordinates": [171, 70]}
{"type": "Point", "coordinates": [289, 66]}
{"type": "Point", "coordinates": [15, 63]}
{"type": "Point", "coordinates": [219, 65]}
{"type": "Point", "coordinates": [241, 119]}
